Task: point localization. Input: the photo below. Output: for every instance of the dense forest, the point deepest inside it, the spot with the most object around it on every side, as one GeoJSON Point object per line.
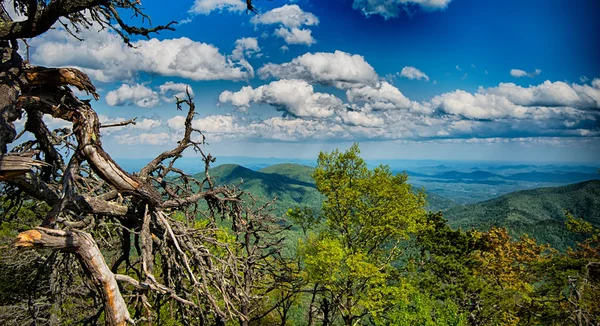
{"type": "Point", "coordinates": [86, 242]}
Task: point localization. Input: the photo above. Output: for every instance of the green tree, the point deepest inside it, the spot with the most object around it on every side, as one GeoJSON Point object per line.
{"type": "Point", "coordinates": [370, 215]}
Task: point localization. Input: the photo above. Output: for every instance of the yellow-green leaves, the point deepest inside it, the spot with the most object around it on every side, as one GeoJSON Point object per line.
{"type": "Point", "coordinates": [368, 214]}
{"type": "Point", "coordinates": [322, 258]}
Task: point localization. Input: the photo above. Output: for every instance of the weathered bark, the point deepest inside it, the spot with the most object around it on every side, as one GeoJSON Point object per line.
{"type": "Point", "coordinates": [14, 165]}
{"type": "Point", "coordinates": [84, 246]}
{"type": "Point", "coordinates": [36, 188]}
{"type": "Point", "coordinates": [62, 104]}
{"type": "Point", "coordinates": [11, 65]}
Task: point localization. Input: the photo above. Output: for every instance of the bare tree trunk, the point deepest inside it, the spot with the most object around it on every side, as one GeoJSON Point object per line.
{"type": "Point", "coordinates": [92, 261]}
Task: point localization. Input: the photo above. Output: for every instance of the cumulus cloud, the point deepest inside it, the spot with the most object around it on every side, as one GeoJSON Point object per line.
{"type": "Point", "coordinates": [380, 111]}
{"type": "Point", "coordinates": [295, 36]}
{"type": "Point", "coordinates": [518, 73]}
{"type": "Point", "coordinates": [189, 59]}
{"type": "Point", "coordinates": [146, 124]}
{"type": "Point", "coordinates": [359, 118]}
{"type": "Point", "coordinates": [144, 139]}
{"type": "Point", "coordinates": [549, 94]}
{"type": "Point", "coordinates": [293, 96]}
{"type": "Point", "coordinates": [138, 95]}
{"type": "Point", "coordinates": [382, 96]}
{"type": "Point", "coordinates": [171, 90]}
{"type": "Point", "coordinates": [205, 7]}
{"type": "Point", "coordinates": [413, 73]}
{"type": "Point", "coordinates": [218, 127]}
{"type": "Point", "coordinates": [549, 100]}
{"type": "Point", "coordinates": [291, 19]}
{"type": "Point", "coordinates": [288, 16]}
{"type": "Point", "coordinates": [245, 48]}
{"type": "Point", "coordinates": [104, 57]}
{"type": "Point", "coordinates": [339, 69]}
{"type": "Point", "coordinates": [392, 8]}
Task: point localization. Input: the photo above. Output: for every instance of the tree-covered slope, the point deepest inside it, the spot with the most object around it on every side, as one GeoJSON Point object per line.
{"type": "Point", "coordinates": [292, 184]}
{"type": "Point", "coordinates": [537, 212]}
{"type": "Point", "coordinates": [290, 187]}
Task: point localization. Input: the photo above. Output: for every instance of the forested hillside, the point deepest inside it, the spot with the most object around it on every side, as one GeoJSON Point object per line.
{"type": "Point", "coordinates": [292, 185]}
{"type": "Point", "coordinates": [537, 212]}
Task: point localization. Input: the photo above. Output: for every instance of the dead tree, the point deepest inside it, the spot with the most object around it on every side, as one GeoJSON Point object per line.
{"type": "Point", "coordinates": [95, 204]}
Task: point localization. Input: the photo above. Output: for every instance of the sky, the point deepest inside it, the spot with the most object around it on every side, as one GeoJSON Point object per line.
{"type": "Point", "coordinates": [495, 80]}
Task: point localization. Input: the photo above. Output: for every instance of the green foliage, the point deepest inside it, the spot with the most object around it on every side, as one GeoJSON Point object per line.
{"type": "Point", "coordinates": [368, 214]}
{"type": "Point", "coordinates": [304, 217]}
{"type": "Point", "coordinates": [538, 213]}
{"type": "Point", "coordinates": [422, 310]}
{"type": "Point", "coordinates": [291, 184]}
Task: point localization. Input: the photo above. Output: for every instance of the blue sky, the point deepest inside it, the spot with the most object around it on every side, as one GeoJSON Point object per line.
{"type": "Point", "coordinates": [408, 79]}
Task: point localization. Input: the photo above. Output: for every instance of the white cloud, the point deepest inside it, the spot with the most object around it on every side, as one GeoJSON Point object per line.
{"type": "Point", "coordinates": [56, 123]}
{"type": "Point", "coordinates": [144, 139]}
{"type": "Point", "coordinates": [218, 127]}
{"type": "Point", "coordinates": [544, 102]}
{"type": "Point", "coordinates": [518, 73]}
{"type": "Point", "coordinates": [413, 73]}
{"type": "Point", "coordinates": [138, 95]}
{"type": "Point", "coordinates": [245, 48]}
{"type": "Point", "coordinates": [391, 8]}
{"type": "Point", "coordinates": [339, 69]}
{"type": "Point", "coordinates": [146, 124]}
{"type": "Point", "coordinates": [549, 94]}
{"type": "Point", "coordinates": [104, 56]}
{"type": "Point", "coordinates": [290, 16]}
{"type": "Point", "coordinates": [358, 118]}
{"type": "Point", "coordinates": [476, 106]}
{"type": "Point", "coordinates": [290, 129]}
{"type": "Point", "coordinates": [290, 19]}
{"type": "Point", "coordinates": [171, 90]}
{"type": "Point", "coordinates": [189, 59]}
{"type": "Point", "coordinates": [292, 96]}
{"type": "Point", "coordinates": [205, 7]}
{"type": "Point", "coordinates": [382, 96]}
{"type": "Point", "coordinates": [295, 35]}
{"type": "Point", "coordinates": [284, 48]}
{"type": "Point", "coordinates": [458, 68]}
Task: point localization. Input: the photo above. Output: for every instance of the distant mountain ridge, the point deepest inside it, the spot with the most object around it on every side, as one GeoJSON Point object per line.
{"type": "Point", "coordinates": [549, 177]}
{"type": "Point", "coordinates": [537, 212]}
{"type": "Point", "coordinates": [291, 183]}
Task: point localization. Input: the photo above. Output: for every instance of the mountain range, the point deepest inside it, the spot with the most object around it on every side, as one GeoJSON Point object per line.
{"type": "Point", "coordinates": [290, 183]}
{"type": "Point", "coordinates": [538, 212]}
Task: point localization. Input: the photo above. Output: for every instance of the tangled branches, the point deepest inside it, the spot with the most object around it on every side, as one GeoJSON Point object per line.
{"type": "Point", "coordinates": [155, 245]}
{"type": "Point", "coordinates": [168, 219]}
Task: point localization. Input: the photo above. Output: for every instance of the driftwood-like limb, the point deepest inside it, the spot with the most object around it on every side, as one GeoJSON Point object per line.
{"type": "Point", "coordinates": [42, 76]}
{"type": "Point", "coordinates": [46, 140]}
{"type": "Point", "coordinates": [62, 104]}
{"type": "Point", "coordinates": [119, 124]}
{"type": "Point", "coordinates": [84, 246]}
{"type": "Point", "coordinates": [36, 188]}
{"type": "Point", "coordinates": [15, 165]}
